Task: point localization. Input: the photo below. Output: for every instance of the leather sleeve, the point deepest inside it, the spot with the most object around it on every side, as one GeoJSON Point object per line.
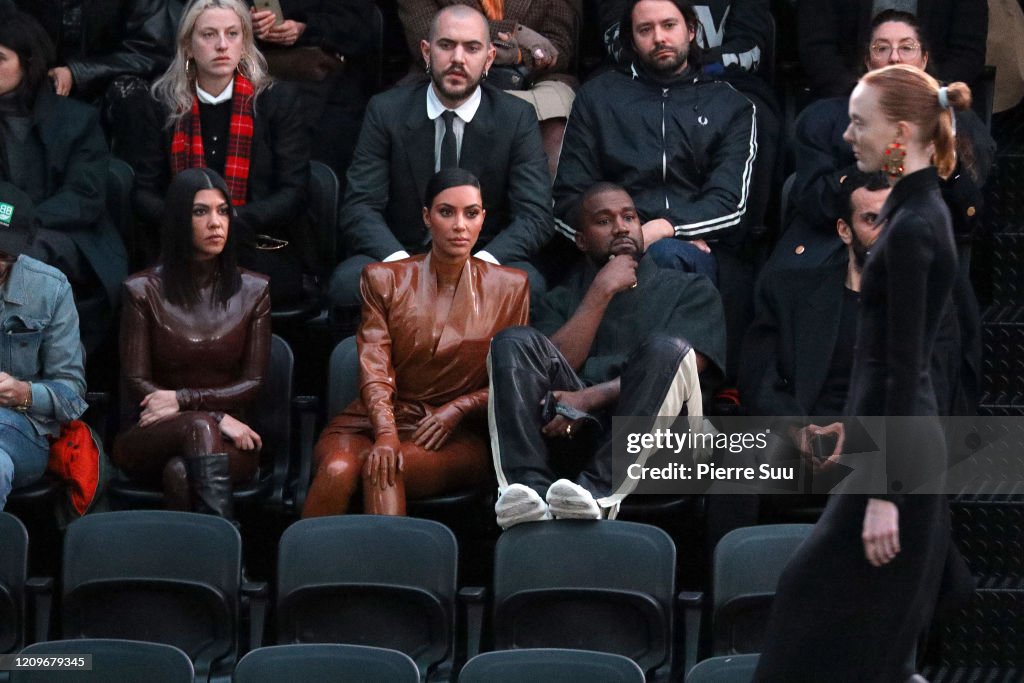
{"type": "Point", "coordinates": [144, 49]}
{"type": "Point", "coordinates": [136, 363]}
{"type": "Point", "coordinates": [376, 373]}
{"type": "Point", "coordinates": [254, 366]}
{"type": "Point", "coordinates": [472, 403]}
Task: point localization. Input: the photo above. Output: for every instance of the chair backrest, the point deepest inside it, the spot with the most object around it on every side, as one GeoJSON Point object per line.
{"type": "Point", "coordinates": [730, 669]}
{"type": "Point", "coordinates": [343, 377]}
{"type": "Point", "coordinates": [605, 585]}
{"type": "Point", "coordinates": [157, 576]}
{"type": "Point", "coordinates": [369, 580]}
{"type": "Point", "coordinates": [551, 666]}
{"type": "Point", "coordinates": [272, 414]}
{"type": "Point", "coordinates": [308, 663]}
{"type": "Point", "coordinates": [323, 209]}
{"type": "Point", "coordinates": [113, 661]}
{"type": "Point", "coordinates": [747, 565]}
{"type": "Point", "coordinates": [13, 573]}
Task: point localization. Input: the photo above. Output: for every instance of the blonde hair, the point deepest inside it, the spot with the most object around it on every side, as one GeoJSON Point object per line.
{"type": "Point", "coordinates": [908, 94]}
{"type": "Point", "coordinates": [176, 89]}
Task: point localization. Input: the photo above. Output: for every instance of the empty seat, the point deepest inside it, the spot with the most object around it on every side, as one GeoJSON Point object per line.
{"type": "Point", "coordinates": [113, 661]}
{"type": "Point", "coordinates": [370, 580]}
{"type": "Point", "coordinates": [604, 585]}
{"type": "Point", "coordinates": [326, 662]}
{"type": "Point", "coordinates": [550, 666]}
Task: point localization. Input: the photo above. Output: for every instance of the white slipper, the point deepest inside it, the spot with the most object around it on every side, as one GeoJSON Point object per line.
{"type": "Point", "coordinates": [567, 500]}
{"type": "Point", "coordinates": [518, 504]}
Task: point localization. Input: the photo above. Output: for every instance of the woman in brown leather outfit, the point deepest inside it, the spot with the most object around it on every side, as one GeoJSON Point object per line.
{"type": "Point", "coordinates": [420, 426]}
{"type": "Point", "coordinates": [195, 340]}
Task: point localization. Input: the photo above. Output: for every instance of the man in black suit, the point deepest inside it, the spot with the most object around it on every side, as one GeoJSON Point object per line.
{"type": "Point", "coordinates": [798, 353]}
{"type": "Point", "coordinates": [411, 132]}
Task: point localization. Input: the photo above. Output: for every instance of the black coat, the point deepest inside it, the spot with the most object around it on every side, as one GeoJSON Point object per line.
{"type": "Point", "coordinates": [684, 150]}
{"type": "Point", "coordinates": [788, 349]}
{"type": "Point", "coordinates": [114, 38]}
{"type": "Point", "coordinates": [278, 171]}
{"type": "Point", "coordinates": [71, 197]}
{"type": "Point", "coordinates": [394, 159]}
{"type": "Point", "coordinates": [831, 52]}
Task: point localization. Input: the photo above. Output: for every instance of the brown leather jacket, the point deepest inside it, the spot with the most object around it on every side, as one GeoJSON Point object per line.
{"type": "Point", "coordinates": [214, 356]}
{"type": "Point", "coordinates": [410, 359]}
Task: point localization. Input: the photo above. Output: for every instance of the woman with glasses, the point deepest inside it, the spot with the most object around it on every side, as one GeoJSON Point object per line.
{"type": "Point", "coordinates": [216, 107]}
{"type": "Point", "coordinates": [832, 32]}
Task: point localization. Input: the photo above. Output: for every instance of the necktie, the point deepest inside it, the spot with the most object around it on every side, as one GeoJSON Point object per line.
{"type": "Point", "coordinates": [449, 150]}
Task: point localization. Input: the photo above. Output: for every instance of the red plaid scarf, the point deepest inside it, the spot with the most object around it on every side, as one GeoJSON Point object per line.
{"type": "Point", "coordinates": [187, 147]}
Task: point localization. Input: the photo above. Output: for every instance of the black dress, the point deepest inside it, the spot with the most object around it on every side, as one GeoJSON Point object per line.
{"type": "Point", "coordinates": [837, 618]}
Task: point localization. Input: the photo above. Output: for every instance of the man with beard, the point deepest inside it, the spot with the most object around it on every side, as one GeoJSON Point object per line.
{"type": "Point", "coordinates": [625, 339]}
{"type": "Point", "coordinates": [682, 144]}
{"type": "Point", "coordinates": [411, 132]}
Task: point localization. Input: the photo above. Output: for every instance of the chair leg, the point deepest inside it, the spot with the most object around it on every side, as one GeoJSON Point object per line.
{"type": "Point", "coordinates": [210, 485]}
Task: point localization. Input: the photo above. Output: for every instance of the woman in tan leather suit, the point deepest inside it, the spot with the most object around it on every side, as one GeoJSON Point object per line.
{"type": "Point", "coordinates": [195, 340]}
{"type": "Point", "coordinates": [420, 426]}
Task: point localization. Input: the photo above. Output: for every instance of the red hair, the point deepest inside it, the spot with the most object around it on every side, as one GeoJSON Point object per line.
{"type": "Point", "coordinates": [908, 94]}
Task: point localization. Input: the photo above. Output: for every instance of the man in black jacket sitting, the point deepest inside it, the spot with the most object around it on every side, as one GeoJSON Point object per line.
{"type": "Point", "coordinates": [683, 146]}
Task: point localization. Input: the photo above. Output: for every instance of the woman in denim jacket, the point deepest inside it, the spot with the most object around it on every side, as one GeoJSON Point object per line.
{"type": "Point", "coordinates": [42, 369]}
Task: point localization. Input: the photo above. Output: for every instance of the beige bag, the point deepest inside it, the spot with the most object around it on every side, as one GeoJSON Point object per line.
{"type": "Point", "coordinates": [1005, 51]}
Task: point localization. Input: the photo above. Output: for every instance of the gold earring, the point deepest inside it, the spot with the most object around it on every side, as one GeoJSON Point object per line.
{"type": "Point", "coordinates": [895, 153]}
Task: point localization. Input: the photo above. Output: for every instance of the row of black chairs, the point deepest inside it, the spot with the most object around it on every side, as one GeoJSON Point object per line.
{"type": "Point", "coordinates": [127, 661]}
{"type": "Point", "coordinates": [175, 578]}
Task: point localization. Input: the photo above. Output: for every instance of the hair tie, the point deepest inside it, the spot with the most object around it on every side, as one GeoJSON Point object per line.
{"type": "Point", "coordinates": [944, 97]}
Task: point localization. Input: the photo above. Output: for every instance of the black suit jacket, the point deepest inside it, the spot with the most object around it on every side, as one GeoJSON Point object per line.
{"type": "Point", "coordinates": [788, 348]}
{"type": "Point", "coordinates": [787, 351]}
{"type": "Point", "coordinates": [394, 159]}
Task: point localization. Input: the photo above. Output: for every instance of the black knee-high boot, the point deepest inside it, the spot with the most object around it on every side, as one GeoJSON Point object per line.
{"type": "Point", "coordinates": [210, 485]}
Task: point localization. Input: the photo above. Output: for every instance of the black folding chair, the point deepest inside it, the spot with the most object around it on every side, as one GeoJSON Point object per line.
{"type": "Point", "coordinates": [370, 580]}
{"type": "Point", "coordinates": [588, 585]}
{"type": "Point", "coordinates": [113, 661]}
{"type": "Point", "coordinates": [747, 566]}
{"type": "Point", "coordinates": [550, 666]}
{"type": "Point", "coordinates": [163, 577]}
{"type": "Point", "coordinates": [730, 669]}
{"type": "Point", "coordinates": [326, 662]}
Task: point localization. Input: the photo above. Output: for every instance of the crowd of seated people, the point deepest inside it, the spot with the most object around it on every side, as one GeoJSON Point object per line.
{"type": "Point", "coordinates": [632, 236]}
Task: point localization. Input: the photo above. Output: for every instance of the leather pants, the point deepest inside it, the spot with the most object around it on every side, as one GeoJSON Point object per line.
{"type": "Point", "coordinates": [525, 365]}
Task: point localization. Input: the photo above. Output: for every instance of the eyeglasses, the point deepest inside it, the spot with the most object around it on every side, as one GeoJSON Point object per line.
{"type": "Point", "coordinates": [908, 50]}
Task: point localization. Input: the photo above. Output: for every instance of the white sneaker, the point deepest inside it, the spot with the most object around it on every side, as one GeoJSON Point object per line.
{"type": "Point", "coordinates": [567, 500]}
{"type": "Point", "coordinates": [518, 504]}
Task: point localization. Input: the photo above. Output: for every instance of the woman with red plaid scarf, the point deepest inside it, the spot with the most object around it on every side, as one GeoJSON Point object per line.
{"type": "Point", "coordinates": [215, 108]}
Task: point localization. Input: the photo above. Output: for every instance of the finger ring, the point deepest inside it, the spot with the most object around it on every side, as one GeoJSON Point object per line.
{"type": "Point", "coordinates": [568, 431]}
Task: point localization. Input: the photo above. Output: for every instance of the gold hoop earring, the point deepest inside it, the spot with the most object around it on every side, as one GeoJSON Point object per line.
{"type": "Point", "coordinates": [189, 66]}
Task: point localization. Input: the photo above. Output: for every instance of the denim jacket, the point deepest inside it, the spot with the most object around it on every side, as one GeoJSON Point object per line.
{"type": "Point", "coordinates": [39, 343]}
